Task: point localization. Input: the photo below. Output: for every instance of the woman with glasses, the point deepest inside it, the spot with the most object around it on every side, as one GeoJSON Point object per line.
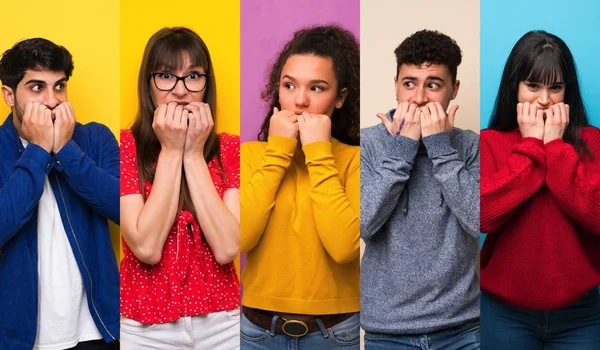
{"type": "Point", "coordinates": [300, 200]}
{"type": "Point", "coordinates": [179, 205]}
{"type": "Point", "coordinates": [540, 205]}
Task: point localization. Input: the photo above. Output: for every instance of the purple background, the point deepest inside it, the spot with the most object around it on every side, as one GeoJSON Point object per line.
{"type": "Point", "coordinates": [266, 25]}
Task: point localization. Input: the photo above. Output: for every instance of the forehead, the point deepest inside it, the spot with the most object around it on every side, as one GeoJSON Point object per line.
{"type": "Point", "coordinates": [49, 77]}
{"type": "Point", "coordinates": [309, 67]}
{"type": "Point", "coordinates": [424, 70]}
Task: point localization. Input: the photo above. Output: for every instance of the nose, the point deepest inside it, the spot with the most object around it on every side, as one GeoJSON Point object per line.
{"type": "Point", "coordinates": [420, 97]}
{"type": "Point", "coordinates": [543, 98]}
{"type": "Point", "coordinates": [301, 98]}
{"type": "Point", "coordinates": [51, 100]}
{"type": "Point", "coordinates": [179, 89]}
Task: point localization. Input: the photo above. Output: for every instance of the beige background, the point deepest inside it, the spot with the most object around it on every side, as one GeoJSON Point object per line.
{"type": "Point", "coordinates": [383, 26]}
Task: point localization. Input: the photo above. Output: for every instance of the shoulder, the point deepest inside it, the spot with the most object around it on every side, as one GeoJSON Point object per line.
{"type": "Point", "coordinates": [229, 141]}
{"type": "Point", "coordinates": [591, 136]}
{"type": "Point", "coordinates": [126, 137]}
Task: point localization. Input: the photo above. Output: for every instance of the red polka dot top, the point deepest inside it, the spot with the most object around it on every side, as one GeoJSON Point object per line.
{"type": "Point", "coordinates": [188, 281]}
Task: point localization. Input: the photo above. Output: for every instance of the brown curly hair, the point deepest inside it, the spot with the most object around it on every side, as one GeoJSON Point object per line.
{"type": "Point", "coordinates": [329, 41]}
{"type": "Point", "coordinates": [429, 46]}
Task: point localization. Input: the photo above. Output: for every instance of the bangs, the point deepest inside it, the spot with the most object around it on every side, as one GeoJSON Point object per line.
{"type": "Point", "coordinates": [171, 53]}
{"type": "Point", "coordinates": [544, 67]}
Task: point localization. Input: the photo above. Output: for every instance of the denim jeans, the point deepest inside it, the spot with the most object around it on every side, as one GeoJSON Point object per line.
{"type": "Point", "coordinates": [574, 327]}
{"type": "Point", "coordinates": [344, 335]}
{"type": "Point", "coordinates": [465, 337]}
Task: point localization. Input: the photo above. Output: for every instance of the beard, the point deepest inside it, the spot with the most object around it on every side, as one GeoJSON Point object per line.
{"type": "Point", "coordinates": [20, 112]}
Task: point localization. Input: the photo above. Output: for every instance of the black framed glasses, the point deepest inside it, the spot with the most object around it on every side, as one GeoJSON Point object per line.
{"type": "Point", "coordinates": [193, 82]}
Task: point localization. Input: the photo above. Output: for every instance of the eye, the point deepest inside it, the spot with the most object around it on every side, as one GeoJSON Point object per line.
{"type": "Point", "coordinates": [60, 87]}
{"type": "Point", "coordinates": [288, 86]}
{"type": "Point", "coordinates": [165, 75]}
{"type": "Point", "coordinates": [36, 87]}
{"type": "Point", "coordinates": [194, 76]}
{"type": "Point", "coordinates": [317, 88]}
{"type": "Point", "coordinates": [409, 84]}
{"type": "Point", "coordinates": [533, 86]}
{"type": "Point", "coordinates": [556, 88]}
{"type": "Point", "coordinates": [433, 86]}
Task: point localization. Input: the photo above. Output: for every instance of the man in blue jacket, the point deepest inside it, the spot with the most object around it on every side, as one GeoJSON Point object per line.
{"type": "Point", "coordinates": [59, 183]}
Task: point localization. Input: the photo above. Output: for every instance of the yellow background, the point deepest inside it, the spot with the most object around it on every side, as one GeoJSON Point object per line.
{"type": "Point", "coordinates": [91, 34]}
{"type": "Point", "coordinates": [217, 23]}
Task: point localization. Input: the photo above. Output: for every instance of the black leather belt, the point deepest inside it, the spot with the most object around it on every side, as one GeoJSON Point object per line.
{"type": "Point", "coordinates": [290, 327]}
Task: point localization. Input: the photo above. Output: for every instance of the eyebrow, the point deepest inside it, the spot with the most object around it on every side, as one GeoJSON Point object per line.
{"type": "Point", "coordinates": [429, 77]}
{"type": "Point", "coordinates": [41, 82]}
{"type": "Point", "coordinates": [314, 81]}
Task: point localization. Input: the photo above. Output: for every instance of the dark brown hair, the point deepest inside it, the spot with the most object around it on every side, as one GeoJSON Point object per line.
{"type": "Point", "coordinates": [166, 50]}
{"type": "Point", "coordinates": [340, 45]}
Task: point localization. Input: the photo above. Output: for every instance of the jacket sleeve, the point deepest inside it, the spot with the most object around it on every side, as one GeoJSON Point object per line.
{"type": "Point", "coordinates": [504, 188]}
{"type": "Point", "coordinates": [458, 177]}
{"type": "Point", "coordinates": [20, 194]}
{"type": "Point", "coordinates": [259, 186]}
{"type": "Point", "coordinates": [96, 183]}
{"type": "Point", "coordinates": [384, 173]}
{"type": "Point", "coordinates": [336, 206]}
{"type": "Point", "coordinates": [574, 185]}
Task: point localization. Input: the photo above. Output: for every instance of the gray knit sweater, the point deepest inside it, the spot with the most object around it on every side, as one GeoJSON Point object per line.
{"type": "Point", "coordinates": [420, 222]}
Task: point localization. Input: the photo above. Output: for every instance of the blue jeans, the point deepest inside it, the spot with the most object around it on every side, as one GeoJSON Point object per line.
{"type": "Point", "coordinates": [464, 337]}
{"type": "Point", "coordinates": [574, 327]}
{"type": "Point", "coordinates": [344, 335]}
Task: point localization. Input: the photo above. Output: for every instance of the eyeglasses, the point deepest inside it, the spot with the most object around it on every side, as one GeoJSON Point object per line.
{"type": "Point", "coordinates": [193, 82]}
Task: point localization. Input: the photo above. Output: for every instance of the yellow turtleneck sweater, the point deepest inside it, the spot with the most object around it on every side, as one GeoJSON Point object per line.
{"type": "Point", "coordinates": [300, 226]}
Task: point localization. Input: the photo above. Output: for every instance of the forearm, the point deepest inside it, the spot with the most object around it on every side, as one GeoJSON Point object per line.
{"type": "Point", "coordinates": [20, 194]}
{"type": "Point", "coordinates": [219, 225]}
{"type": "Point", "coordinates": [383, 178]}
{"type": "Point", "coordinates": [148, 234]}
{"type": "Point", "coordinates": [575, 188]}
{"type": "Point", "coordinates": [459, 182]}
{"type": "Point", "coordinates": [336, 207]}
{"type": "Point", "coordinates": [504, 189]}
{"type": "Point", "coordinates": [97, 186]}
{"type": "Point", "coordinates": [259, 188]}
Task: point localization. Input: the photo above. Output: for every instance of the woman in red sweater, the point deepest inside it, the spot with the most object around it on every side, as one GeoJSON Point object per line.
{"type": "Point", "coordinates": [540, 205]}
{"type": "Point", "coordinates": [180, 205]}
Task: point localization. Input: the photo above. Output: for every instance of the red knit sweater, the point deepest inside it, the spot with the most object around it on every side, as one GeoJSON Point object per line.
{"type": "Point", "coordinates": [540, 205]}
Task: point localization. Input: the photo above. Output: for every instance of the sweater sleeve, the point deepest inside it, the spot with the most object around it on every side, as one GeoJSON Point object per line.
{"type": "Point", "coordinates": [336, 207]}
{"type": "Point", "coordinates": [259, 187]}
{"type": "Point", "coordinates": [575, 185]}
{"type": "Point", "coordinates": [459, 179]}
{"type": "Point", "coordinates": [384, 173]}
{"type": "Point", "coordinates": [504, 188]}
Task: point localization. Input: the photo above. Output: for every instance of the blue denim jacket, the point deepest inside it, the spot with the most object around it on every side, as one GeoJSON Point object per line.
{"type": "Point", "coordinates": [85, 179]}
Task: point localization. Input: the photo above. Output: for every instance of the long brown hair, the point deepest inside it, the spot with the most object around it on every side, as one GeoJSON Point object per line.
{"type": "Point", "coordinates": [167, 49]}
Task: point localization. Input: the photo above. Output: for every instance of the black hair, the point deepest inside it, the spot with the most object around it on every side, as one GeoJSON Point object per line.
{"type": "Point", "coordinates": [540, 57]}
{"type": "Point", "coordinates": [33, 54]}
{"type": "Point", "coordinates": [431, 47]}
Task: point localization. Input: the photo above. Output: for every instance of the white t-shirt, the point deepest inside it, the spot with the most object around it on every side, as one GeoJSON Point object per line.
{"type": "Point", "coordinates": [64, 317]}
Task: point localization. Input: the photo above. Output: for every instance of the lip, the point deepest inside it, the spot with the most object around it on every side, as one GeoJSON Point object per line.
{"type": "Point", "coordinates": [180, 103]}
{"type": "Point", "coordinates": [298, 112]}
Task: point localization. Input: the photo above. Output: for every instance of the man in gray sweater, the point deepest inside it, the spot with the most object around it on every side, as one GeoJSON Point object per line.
{"type": "Point", "coordinates": [420, 209]}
